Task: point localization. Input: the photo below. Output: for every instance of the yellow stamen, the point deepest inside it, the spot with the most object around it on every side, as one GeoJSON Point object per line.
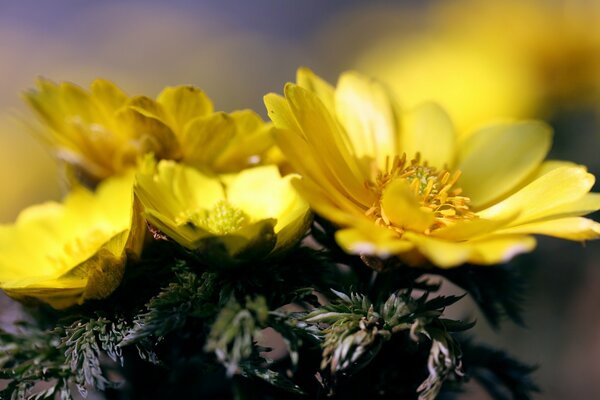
{"type": "Point", "coordinates": [222, 219]}
{"type": "Point", "coordinates": [433, 188]}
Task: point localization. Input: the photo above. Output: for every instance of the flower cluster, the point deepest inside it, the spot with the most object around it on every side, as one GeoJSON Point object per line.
{"type": "Point", "coordinates": [104, 132]}
{"type": "Point", "coordinates": [188, 232]}
{"type": "Point", "coordinates": [395, 182]}
{"type": "Point", "coordinates": [200, 177]}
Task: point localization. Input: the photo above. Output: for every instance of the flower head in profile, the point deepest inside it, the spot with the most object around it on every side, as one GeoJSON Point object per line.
{"type": "Point", "coordinates": [402, 183]}
{"type": "Point", "coordinates": [227, 219]}
{"type": "Point", "coordinates": [103, 132]}
{"type": "Point", "coordinates": [69, 252]}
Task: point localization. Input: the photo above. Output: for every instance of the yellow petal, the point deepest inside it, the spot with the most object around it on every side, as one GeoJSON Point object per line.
{"type": "Point", "coordinates": [108, 96]}
{"type": "Point", "coordinates": [295, 148]}
{"type": "Point", "coordinates": [253, 139]}
{"type": "Point", "coordinates": [104, 270]}
{"type": "Point", "coordinates": [373, 241]}
{"type": "Point", "coordinates": [138, 230]}
{"type": "Point", "coordinates": [401, 207]}
{"type": "Point", "coordinates": [247, 121]}
{"type": "Point", "coordinates": [497, 158]}
{"type": "Point", "coordinates": [427, 130]}
{"type": "Point", "coordinates": [327, 142]}
{"type": "Point", "coordinates": [205, 138]}
{"type": "Point", "coordinates": [368, 115]}
{"type": "Point", "coordinates": [440, 252]}
{"type": "Point", "coordinates": [60, 294]}
{"type": "Point", "coordinates": [550, 165]}
{"type": "Point", "coordinates": [574, 228]}
{"type": "Point", "coordinates": [329, 204]}
{"type": "Point", "coordinates": [58, 252]}
{"type": "Point", "coordinates": [184, 103]}
{"type": "Point", "coordinates": [493, 250]}
{"type": "Point", "coordinates": [95, 278]}
{"type": "Point", "coordinates": [187, 235]}
{"type": "Point", "coordinates": [463, 230]}
{"type": "Point", "coordinates": [294, 145]}
{"type": "Point", "coordinates": [27, 241]}
{"type": "Point", "coordinates": [257, 191]}
{"type": "Point", "coordinates": [149, 108]}
{"type": "Point", "coordinates": [45, 101]}
{"type": "Point", "coordinates": [587, 204]}
{"type": "Point", "coordinates": [309, 80]}
{"type": "Point", "coordinates": [543, 169]}
{"type": "Point", "coordinates": [76, 102]}
{"type": "Point", "coordinates": [262, 194]}
{"type": "Point", "coordinates": [280, 113]}
{"type": "Point", "coordinates": [293, 225]}
{"type": "Point", "coordinates": [152, 135]}
{"type": "Point", "coordinates": [176, 188]}
{"type": "Point", "coordinates": [538, 199]}
{"type": "Point", "coordinates": [500, 249]}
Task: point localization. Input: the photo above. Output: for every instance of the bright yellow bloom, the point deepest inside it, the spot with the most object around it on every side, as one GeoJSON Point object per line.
{"type": "Point", "coordinates": [404, 184]}
{"type": "Point", "coordinates": [66, 253]}
{"type": "Point", "coordinates": [229, 219]}
{"type": "Point", "coordinates": [480, 67]}
{"type": "Point", "coordinates": [104, 132]}
{"type": "Point", "coordinates": [475, 83]}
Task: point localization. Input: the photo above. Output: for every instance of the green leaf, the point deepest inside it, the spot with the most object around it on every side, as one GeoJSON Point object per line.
{"type": "Point", "coordinates": [274, 378]}
{"type": "Point", "coordinates": [497, 291]}
{"type": "Point", "coordinates": [189, 296]}
{"type": "Point", "coordinates": [498, 372]}
{"type": "Point", "coordinates": [235, 330]}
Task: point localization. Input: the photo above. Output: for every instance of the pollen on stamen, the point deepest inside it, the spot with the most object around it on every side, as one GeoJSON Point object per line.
{"type": "Point", "coordinates": [433, 188]}
{"type": "Point", "coordinates": [222, 219]}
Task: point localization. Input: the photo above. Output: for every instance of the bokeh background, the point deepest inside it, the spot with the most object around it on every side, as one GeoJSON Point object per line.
{"type": "Point", "coordinates": [483, 61]}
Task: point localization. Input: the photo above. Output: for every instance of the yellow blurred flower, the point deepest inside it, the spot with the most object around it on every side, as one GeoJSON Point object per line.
{"type": "Point", "coordinates": [104, 132]}
{"type": "Point", "coordinates": [66, 253]}
{"type": "Point", "coordinates": [474, 83]}
{"type": "Point", "coordinates": [557, 42]}
{"type": "Point", "coordinates": [496, 59]}
{"type": "Point", "coordinates": [403, 183]}
{"type": "Point", "coordinates": [229, 218]}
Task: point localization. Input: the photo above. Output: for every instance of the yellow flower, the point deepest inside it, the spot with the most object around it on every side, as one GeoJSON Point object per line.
{"type": "Point", "coordinates": [231, 218]}
{"type": "Point", "coordinates": [475, 83]}
{"type": "Point", "coordinates": [66, 253]}
{"type": "Point", "coordinates": [479, 68]}
{"type": "Point", "coordinates": [104, 132]}
{"type": "Point", "coordinates": [404, 184]}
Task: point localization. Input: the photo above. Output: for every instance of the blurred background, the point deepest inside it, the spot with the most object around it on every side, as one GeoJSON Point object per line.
{"type": "Point", "coordinates": [483, 61]}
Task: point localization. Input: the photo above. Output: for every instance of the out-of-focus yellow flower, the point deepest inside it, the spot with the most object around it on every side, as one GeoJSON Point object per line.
{"type": "Point", "coordinates": [104, 132]}
{"type": "Point", "coordinates": [404, 184]}
{"type": "Point", "coordinates": [66, 253]}
{"type": "Point", "coordinates": [474, 83]}
{"type": "Point", "coordinates": [495, 59]}
{"type": "Point", "coordinates": [230, 218]}
{"type": "Point", "coordinates": [557, 42]}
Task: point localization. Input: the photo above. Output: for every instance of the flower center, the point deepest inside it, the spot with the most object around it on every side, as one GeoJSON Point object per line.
{"type": "Point", "coordinates": [222, 219]}
{"type": "Point", "coordinates": [434, 190]}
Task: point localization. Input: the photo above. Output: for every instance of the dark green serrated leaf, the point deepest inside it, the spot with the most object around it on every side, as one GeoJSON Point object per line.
{"type": "Point", "coordinates": [248, 369]}
{"type": "Point", "coordinates": [497, 291]}
{"type": "Point", "coordinates": [504, 377]}
{"type": "Point", "coordinates": [190, 296]}
{"type": "Point", "coordinates": [84, 342]}
{"type": "Point", "coordinates": [235, 330]}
